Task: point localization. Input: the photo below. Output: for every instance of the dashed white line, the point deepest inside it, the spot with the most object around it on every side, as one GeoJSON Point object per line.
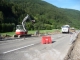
{"type": "Point", "coordinates": [18, 48]}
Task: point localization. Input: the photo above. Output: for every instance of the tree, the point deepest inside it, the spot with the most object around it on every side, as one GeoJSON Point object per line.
{"type": "Point", "coordinates": [1, 17]}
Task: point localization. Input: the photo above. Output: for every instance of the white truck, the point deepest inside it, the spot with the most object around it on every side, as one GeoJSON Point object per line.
{"type": "Point", "coordinates": [65, 29]}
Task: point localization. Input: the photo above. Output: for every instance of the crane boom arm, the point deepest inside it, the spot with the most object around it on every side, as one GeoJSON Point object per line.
{"type": "Point", "coordinates": [23, 22]}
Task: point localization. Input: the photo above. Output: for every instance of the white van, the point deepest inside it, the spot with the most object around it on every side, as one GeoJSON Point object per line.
{"type": "Point", "coordinates": [65, 29]}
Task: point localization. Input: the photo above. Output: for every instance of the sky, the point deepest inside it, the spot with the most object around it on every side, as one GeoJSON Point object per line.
{"type": "Point", "coordinates": [70, 4]}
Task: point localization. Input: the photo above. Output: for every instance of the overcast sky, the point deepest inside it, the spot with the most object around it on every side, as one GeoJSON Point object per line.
{"type": "Point", "coordinates": [71, 4]}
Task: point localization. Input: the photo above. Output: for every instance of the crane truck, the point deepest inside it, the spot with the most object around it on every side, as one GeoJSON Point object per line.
{"type": "Point", "coordinates": [20, 29]}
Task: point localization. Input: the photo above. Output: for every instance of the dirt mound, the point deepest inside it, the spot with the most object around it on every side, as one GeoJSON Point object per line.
{"type": "Point", "coordinates": [74, 53]}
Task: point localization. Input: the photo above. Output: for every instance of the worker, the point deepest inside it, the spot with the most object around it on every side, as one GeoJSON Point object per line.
{"type": "Point", "coordinates": [37, 32]}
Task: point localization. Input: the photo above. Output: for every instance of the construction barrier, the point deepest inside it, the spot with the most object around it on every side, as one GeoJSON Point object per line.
{"type": "Point", "coordinates": [46, 40]}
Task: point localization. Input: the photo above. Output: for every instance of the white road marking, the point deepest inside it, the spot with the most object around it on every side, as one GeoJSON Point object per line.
{"type": "Point", "coordinates": [18, 48]}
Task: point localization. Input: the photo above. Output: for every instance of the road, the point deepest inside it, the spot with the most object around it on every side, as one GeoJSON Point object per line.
{"type": "Point", "coordinates": [30, 48]}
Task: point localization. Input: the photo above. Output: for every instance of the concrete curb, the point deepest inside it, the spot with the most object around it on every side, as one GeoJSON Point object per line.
{"type": "Point", "coordinates": [67, 57]}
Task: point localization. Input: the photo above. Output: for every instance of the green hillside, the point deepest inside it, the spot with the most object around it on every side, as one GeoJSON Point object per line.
{"type": "Point", "coordinates": [47, 16]}
{"type": "Point", "coordinates": [73, 16]}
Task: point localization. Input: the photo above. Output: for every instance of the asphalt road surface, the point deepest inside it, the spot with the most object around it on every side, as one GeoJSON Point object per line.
{"type": "Point", "coordinates": [30, 48]}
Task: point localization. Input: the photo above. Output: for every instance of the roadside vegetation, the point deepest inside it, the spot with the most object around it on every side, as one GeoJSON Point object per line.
{"type": "Point", "coordinates": [47, 16]}
{"type": "Point", "coordinates": [33, 32]}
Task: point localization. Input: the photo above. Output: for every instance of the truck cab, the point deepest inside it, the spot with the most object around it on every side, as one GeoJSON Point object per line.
{"type": "Point", "coordinates": [65, 29]}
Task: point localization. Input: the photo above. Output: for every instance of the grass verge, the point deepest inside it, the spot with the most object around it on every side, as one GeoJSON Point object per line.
{"type": "Point", "coordinates": [32, 32]}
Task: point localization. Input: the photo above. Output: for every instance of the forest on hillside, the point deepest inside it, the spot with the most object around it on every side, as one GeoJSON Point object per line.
{"type": "Point", "coordinates": [47, 16]}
